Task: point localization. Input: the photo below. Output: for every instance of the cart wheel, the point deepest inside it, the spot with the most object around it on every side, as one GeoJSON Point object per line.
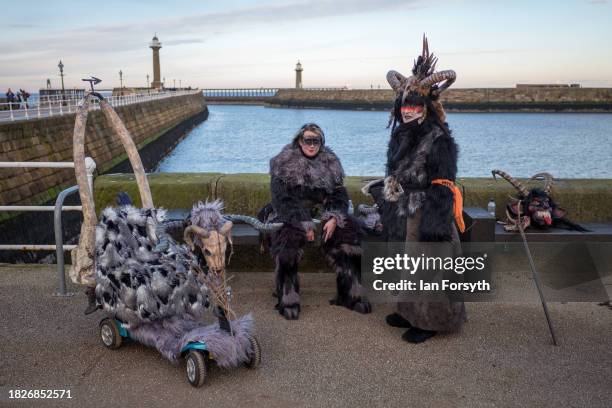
{"type": "Point", "coordinates": [255, 357]}
{"type": "Point", "coordinates": [109, 334]}
{"type": "Point", "coordinates": [197, 369]}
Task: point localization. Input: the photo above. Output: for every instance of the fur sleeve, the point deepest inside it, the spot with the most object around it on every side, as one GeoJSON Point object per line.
{"type": "Point", "coordinates": [286, 202]}
{"type": "Point", "coordinates": [437, 210]}
{"type": "Point", "coordinates": [336, 206]}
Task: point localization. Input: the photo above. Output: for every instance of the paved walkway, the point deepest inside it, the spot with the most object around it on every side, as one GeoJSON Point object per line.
{"type": "Point", "coordinates": [330, 357]}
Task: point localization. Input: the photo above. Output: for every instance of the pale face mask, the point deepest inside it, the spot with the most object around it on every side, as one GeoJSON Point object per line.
{"type": "Point", "coordinates": [411, 113]}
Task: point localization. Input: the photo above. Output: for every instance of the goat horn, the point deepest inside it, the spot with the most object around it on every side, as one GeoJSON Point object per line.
{"type": "Point", "coordinates": [515, 183]}
{"type": "Point", "coordinates": [226, 228]}
{"type": "Point", "coordinates": [366, 188]}
{"type": "Point", "coordinates": [449, 76]}
{"type": "Point", "coordinates": [548, 180]}
{"type": "Point", "coordinates": [396, 80]}
{"type": "Point", "coordinates": [258, 225]}
{"type": "Point", "coordinates": [193, 229]}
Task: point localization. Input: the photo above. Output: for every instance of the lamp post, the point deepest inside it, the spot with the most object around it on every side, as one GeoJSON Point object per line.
{"type": "Point", "coordinates": [164, 83]}
{"type": "Point", "coordinates": [174, 82]}
{"type": "Point", "coordinates": [148, 81]}
{"type": "Point", "coordinates": [121, 81]}
{"type": "Point", "coordinates": [180, 83]}
{"type": "Point", "coordinates": [61, 68]}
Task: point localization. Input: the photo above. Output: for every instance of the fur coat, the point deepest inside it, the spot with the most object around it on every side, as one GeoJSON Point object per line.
{"type": "Point", "coordinates": [300, 183]}
{"type": "Point", "coordinates": [418, 154]}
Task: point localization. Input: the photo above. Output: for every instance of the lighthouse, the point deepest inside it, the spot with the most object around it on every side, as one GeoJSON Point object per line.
{"type": "Point", "coordinates": [298, 75]}
{"type": "Point", "coordinates": [155, 45]}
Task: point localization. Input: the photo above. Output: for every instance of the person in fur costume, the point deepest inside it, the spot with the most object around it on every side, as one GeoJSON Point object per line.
{"type": "Point", "coordinates": [307, 176]}
{"type": "Point", "coordinates": [418, 199]}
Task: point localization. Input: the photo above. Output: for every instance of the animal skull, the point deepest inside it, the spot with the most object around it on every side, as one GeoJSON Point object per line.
{"type": "Point", "coordinates": [213, 243]}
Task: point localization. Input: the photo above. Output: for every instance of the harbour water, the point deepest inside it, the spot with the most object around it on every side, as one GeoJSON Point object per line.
{"type": "Point", "coordinates": [242, 139]}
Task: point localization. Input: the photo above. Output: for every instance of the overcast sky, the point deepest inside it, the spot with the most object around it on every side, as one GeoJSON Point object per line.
{"type": "Point", "coordinates": [340, 43]}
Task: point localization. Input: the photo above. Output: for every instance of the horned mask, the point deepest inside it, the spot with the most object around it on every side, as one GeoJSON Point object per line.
{"type": "Point", "coordinates": [423, 86]}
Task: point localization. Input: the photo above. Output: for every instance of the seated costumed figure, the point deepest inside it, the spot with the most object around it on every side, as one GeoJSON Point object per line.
{"type": "Point", "coordinates": [307, 176]}
{"type": "Point", "coordinates": [417, 196]}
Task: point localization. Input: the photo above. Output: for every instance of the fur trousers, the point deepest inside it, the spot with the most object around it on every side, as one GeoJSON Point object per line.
{"type": "Point", "coordinates": [342, 252]}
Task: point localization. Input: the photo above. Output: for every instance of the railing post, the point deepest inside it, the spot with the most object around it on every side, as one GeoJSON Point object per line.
{"type": "Point", "coordinates": [11, 109]}
{"type": "Point", "coordinates": [59, 239]}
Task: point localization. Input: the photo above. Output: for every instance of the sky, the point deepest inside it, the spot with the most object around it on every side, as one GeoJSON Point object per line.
{"type": "Point", "coordinates": [353, 43]}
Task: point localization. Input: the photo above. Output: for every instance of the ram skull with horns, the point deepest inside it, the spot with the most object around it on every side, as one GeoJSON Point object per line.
{"type": "Point", "coordinates": [535, 207]}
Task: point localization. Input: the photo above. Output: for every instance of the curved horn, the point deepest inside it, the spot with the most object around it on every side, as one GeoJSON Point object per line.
{"type": "Point", "coordinates": [226, 228]}
{"type": "Point", "coordinates": [449, 76]}
{"type": "Point", "coordinates": [396, 80]}
{"type": "Point", "coordinates": [548, 180]}
{"type": "Point", "coordinates": [194, 229]}
{"type": "Point", "coordinates": [254, 222]}
{"type": "Point", "coordinates": [515, 183]}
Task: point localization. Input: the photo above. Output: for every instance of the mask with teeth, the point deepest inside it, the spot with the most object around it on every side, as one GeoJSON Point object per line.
{"type": "Point", "coordinates": [535, 206]}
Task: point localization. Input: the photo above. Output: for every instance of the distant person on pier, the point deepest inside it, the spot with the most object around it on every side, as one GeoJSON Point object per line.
{"type": "Point", "coordinates": [10, 98]}
{"type": "Point", "coordinates": [307, 181]}
{"type": "Point", "coordinates": [24, 98]}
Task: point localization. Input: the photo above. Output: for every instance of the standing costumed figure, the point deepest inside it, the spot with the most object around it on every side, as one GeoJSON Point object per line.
{"type": "Point", "coordinates": [418, 199]}
{"type": "Point", "coordinates": [307, 176]}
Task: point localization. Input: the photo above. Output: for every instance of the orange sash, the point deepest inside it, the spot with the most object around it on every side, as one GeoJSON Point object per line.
{"type": "Point", "coordinates": [458, 201]}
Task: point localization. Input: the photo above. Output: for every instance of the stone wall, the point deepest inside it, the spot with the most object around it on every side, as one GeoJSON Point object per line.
{"type": "Point", "coordinates": [50, 139]}
{"type": "Point", "coordinates": [468, 99]}
{"type": "Point", "coordinates": [587, 200]}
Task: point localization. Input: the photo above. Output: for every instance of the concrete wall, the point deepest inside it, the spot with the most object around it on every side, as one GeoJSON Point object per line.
{"type": "Point", "coordinates": [587, 200]}
{"type": "Point", "coordinates": [50, 139]}
{"type": "Point", "coordinates": [472, 99]}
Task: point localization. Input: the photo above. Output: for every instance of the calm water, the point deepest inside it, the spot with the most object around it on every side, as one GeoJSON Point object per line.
{"type": "Point", "coordinates": [242, 139]}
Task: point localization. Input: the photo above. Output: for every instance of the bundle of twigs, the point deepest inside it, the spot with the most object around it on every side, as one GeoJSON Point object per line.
{"type": "Point", "coordinates": [216, 282]}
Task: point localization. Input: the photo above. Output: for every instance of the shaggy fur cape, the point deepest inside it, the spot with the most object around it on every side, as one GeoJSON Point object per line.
{"type": "Point", "coordinates": [416, 156]}
{"type": "Point", "coordinates": [136, 283]}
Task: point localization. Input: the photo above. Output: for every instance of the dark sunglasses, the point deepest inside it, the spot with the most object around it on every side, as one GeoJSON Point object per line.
{"type": "Point", "coordinates": [312, 141]}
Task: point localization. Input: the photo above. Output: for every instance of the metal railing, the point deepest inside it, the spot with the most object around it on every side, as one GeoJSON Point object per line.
{"type": "Point", "coordinates": [255, 93]}
{"type": "Point", "coordinates": [59, 206]}
{"type": "Point", "coordinates": [12, 111]}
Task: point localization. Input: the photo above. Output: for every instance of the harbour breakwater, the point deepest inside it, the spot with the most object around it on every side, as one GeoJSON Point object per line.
{"type": "Point", "coordinates": [520, 99]}
{"type": "Point", "coordinates": [156, 126]}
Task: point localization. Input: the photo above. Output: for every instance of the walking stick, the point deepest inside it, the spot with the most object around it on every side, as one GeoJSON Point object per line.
{"type": "Point", "coordinates": [536, 278]}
